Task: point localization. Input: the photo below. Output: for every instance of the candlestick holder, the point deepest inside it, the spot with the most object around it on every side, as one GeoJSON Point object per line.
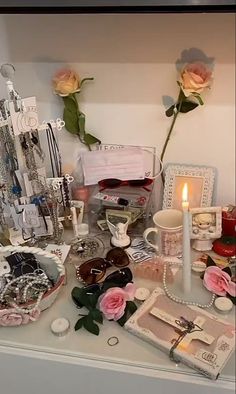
{"type": "Point", "coordinates": [199, 295]}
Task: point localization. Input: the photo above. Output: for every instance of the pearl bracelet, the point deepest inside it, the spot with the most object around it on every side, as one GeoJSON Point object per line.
{"type": "Point", "coordinates": [183, 302]}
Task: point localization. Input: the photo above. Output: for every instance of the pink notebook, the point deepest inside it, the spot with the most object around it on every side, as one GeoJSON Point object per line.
{"type": "Point", "coordinates": [206, 347]}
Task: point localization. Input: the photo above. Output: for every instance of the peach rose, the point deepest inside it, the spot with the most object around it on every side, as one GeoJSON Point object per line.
{"type": "Point", "coordinates": [66, 82]}
{"type": "Point", "coordinates": [194, 78]}
{"type": "Point", "coordinates": [113, 302]}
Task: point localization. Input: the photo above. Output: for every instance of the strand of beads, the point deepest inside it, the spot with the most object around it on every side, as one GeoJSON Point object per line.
{"type": "Point", "coordinates": [23, 284]}
{"type": "Point", "coordinates": [27, 310]}
{"type": "Point", "coordinates": [184, 302]}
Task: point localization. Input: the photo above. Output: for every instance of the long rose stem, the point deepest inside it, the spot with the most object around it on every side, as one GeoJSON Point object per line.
{"type": "Point", "coordinates": [177, 111]}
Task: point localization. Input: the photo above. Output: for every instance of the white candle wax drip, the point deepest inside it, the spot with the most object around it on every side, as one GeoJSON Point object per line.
{"type": "Point", "coordinates": [186, 242]}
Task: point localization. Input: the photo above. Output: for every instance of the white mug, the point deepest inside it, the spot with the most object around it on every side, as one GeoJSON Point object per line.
{"type": "Point", "coordinates": [169, 232]}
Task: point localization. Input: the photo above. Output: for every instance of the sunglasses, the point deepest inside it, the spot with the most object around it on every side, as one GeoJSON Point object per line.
{"type": "Point", "coordinates": [119, 278]}
{"type": "Point", "coordinates": [112, 183]}
{"type": "Point", "coordinates": [92, 271]}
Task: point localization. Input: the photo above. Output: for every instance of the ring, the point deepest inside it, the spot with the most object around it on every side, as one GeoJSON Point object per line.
{"type": "Point", "coordinates": [112, 341]}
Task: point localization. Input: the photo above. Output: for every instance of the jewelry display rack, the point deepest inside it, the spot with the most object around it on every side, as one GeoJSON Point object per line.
{"type": "Point", "coordinates": [20, 154]}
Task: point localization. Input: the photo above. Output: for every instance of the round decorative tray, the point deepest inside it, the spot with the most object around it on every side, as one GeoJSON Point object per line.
{"type": "Point", "coordinates": [55, 271]}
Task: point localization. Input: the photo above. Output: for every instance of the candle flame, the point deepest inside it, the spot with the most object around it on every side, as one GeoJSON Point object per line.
{"type": "Point", "coordinates": [185, 193]}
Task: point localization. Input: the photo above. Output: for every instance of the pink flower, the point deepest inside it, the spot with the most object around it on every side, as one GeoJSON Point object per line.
{"type": "Point", "coordinates": [11, 317]}
{"type": "Point", "coordinates": [195, 77]}
{"type": "Point", "coordinates": [66, 82]}
{"type": "Point", "coordinates": [113, 302]}
{"type": "Point", "coordinates": [219, 282]}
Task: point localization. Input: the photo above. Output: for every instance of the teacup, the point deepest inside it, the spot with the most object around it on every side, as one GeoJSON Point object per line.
{"type": "Point", "coordinates": [169, 232]}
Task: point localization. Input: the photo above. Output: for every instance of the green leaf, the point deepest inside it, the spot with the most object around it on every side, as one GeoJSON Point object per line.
{"type": "Point", "coordinates": [186, 106]}
{"type": "Point", "coordinates": [79, 324]}
{"type": "Point", "coordinates": [93, 299]}
{"type": "Point", "coordinates": [170, 111]}
{"type": "Point", "coordinates": [97, 315]}
{"type": "Point", "coordinates": [123, 319]}
{"type": "Point", "coordinates": [227, 270]}
{"type": "Point", "coordinates": [131, 307]}
{"type": "Point", "coordinates": [90, 325]}
{"type": "Point", "coordinates": [210, 262]}
{"type": "Point", "coordinates": [76, 292]}
{"type": "Point", "coordinates": [90, 139]}
{"type": "Point", "coordinates": [70, 103]}
{"type": "Point", "coordinates": [233, 299]}
{"type": "Point", "coordinates": [83, 298]}
{"type": "Point", "coordinates": [71, 121]}
{"type": "Point", "coordinates": [81, 121]}
{"type": "Point", "coordinates": [198, 97]}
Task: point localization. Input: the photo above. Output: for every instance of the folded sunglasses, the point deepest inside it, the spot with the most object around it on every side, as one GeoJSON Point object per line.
{"type": "Point", "coordinates": [94, 270]}
{"type": "Point", "coordinates": [119, 278]}
{"type": "Point", "coordinates": [112, 183]}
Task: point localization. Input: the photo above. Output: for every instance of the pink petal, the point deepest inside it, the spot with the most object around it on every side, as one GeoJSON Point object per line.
{"type": "Point", "coordinates": [120, 313]}
{"type": "Point", "coordinates": [130, 291]}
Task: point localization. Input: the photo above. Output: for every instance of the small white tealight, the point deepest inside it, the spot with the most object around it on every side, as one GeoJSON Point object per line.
{"type": "Point", "coordinates": [141, 293]}
{"type": "Point", "coordinates": [223, 304]}
{"type": "Point", "coordinates": [198, 267]}
{"type": "Point", "coordinates": [60, 326]}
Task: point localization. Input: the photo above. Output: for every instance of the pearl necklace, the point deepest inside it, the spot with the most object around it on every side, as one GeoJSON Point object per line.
{"type": "Point", "coordinates": [30, 281]}
{"type": "Point", "coordinates": [183, 302]}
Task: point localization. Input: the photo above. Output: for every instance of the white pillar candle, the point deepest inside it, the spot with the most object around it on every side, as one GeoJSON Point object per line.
{"type": "Point", "coordinates": [186, 242]}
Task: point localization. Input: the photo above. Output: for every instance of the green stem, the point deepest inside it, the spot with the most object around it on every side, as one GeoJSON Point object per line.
{"type": "Point", "coordinates": [177, 111]}
{"type": "Point", "coordinates": [78, 113]}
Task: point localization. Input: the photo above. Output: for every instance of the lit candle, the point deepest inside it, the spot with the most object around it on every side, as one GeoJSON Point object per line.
{"type": "Point", "coordinates": [186, 242]}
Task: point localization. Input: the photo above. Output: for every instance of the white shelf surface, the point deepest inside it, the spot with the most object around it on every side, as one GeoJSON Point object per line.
{"type": "Point", "coordinates": [82, 347]}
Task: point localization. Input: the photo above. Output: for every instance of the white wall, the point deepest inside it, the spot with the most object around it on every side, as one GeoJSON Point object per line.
{"type": "Point", "coordinates": [132, 58]}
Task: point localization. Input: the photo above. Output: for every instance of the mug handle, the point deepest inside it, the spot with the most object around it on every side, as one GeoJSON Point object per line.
{"type": "Point", "coordinates": [145, 235]}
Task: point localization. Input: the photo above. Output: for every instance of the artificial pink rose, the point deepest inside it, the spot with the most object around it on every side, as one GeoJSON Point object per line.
{"type": "Point", "coordinates": [11, 317]}
{"type": "Point", "coordinates": [219, 282]}
{"type": "Point", "coordinates": [31, 316]}
{"type": "Point", "coordinates": [113, 302]}
{"type": "Point", "coordinates": [66, 82]}
{"type": "Point", "coordinates": [194, 78]}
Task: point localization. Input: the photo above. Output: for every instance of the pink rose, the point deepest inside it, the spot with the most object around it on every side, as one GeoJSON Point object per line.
{"type": "Point", "coordinates": [11, 317]}
{"type": "Point", "coordinates": [66, 82]}
{"type": "Point", "coordinates": [195, 77]}
{"type": "Point", "coordinates": [112, 303]}
{"type": "Point", "coordinates": [219, 282]}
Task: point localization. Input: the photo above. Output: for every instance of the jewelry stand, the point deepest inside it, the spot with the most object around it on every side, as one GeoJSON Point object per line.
{"type": "Point", "coordinates": [18, 120]}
